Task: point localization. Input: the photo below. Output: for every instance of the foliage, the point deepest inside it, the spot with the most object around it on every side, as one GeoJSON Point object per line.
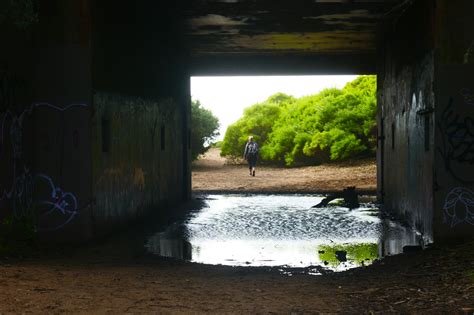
{"type": "Point", "coordinates": [204, 129]}
{"type": "Point", "coordinates": [258, 120]}
{"type": "Point", "coordinates": [217, 144]}
{"type": "Point", "coordinates": [356, 253]}
{"type": "Point", "coordinates": [21, 13]}
{"type": "Point", "coordinates": [333, 124]}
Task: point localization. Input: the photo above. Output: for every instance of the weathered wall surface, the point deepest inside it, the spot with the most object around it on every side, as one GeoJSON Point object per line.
{"type": "Point", "coordinates": [45, 121]}
{"type": "Point", "coordinates": [15, 96]}
{"type": "Point", "coordinates": [136, 157]}
{"type": "Point", "coordinates": [140, 151]}
{"type": "Point", "coordinates": [426, 98]}
{"type": "Point", "coordinates": [406, 101]}
{"type": "Point", "coordinates": [94, 117]}
{"type": "Point", "coordinates": [454, 157]}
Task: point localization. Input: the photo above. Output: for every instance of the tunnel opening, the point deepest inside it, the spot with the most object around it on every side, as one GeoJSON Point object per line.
{"type": "Point", "coordinates": [270, 219]}
{"type": "Point", "coordinates": [297, 121]}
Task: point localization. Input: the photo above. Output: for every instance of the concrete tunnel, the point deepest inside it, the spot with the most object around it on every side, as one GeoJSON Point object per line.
{"type": "Point", "coordinates": [95, 100]}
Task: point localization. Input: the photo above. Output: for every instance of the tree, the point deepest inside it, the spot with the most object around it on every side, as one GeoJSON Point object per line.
{"type": "Point", "coordinates": [334, 124]}
{"type": "Point", "coordinates": [258, 121]}
{"type": "Point", "coordinates": [204, 129]}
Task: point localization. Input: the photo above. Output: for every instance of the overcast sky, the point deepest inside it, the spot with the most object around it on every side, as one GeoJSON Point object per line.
{"type": "Point", "coordinates": [226, 97]}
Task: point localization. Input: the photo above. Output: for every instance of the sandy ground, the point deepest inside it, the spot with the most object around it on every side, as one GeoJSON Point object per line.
{"type": "Point", "coordinates": [211, 173]}
{"type": "Point", "coordinates": [114, 276]}
{"type": "Point", "coordinates": [101, 281]}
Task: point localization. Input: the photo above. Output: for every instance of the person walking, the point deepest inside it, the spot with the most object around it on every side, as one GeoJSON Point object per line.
{"type": "Point", "coordinates": [251, 154]}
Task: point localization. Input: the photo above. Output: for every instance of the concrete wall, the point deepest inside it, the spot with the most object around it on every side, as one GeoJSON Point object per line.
{"type": "Point", "coordinates": [140, 126]}
{"type": "Point", "coordinates": [45, 139]}
{"type": "Point", "coordinates": [426, 110]}
{"type": "Point", "coordinates": [406, 100]}
{"type": "Point", "coordinates": [137, 160]}
{"type": "Point", "coordinates": [94, 117]}
{"type": "Point", "coordinates": [454, 110]}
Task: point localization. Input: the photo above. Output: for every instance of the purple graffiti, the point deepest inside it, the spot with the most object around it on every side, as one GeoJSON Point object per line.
{"type": "Point", "coordinates": [59, 202]}
{"type": "Point", "coordinates": [20, 193]}
{"type": "Point", "coordinates": [459, 206]}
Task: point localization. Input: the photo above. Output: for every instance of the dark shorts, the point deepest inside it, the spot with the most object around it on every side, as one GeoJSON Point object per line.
{"type": "Point", "coordinates": [252, 160]}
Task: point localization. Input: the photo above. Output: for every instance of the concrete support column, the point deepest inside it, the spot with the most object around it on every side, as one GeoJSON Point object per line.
{"type": "Point", "coordinates": [454, 126]}
{"type": "Point", "coordinates": [405, 97]}
{"type": "Point", "coordinates": [426, 110]}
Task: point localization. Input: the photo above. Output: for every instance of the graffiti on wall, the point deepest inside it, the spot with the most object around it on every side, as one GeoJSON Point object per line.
{"type": "Point", "coordinates": [20, 192]}
{"type": "Point", "coordinates": [59, 202]}
{"type": "Point", "coordinates": [459, 206]}
{"type": "Point", "coordinates": [457, 143]}
{"type": "Point", "coordinates": [456, 130]}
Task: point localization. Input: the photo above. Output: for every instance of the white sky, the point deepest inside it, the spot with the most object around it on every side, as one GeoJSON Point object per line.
{"type": "Point", "coordinates": [227, 97]}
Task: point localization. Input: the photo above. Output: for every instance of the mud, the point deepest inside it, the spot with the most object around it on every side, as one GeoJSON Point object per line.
{"type": "Point", "coordinates": [114, 276]}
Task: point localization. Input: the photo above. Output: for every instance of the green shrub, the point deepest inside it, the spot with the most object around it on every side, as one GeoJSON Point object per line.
{"type": "Point", "coordinates": [333, 124]}
{"type": "Point", "coordinates": [204, 129]}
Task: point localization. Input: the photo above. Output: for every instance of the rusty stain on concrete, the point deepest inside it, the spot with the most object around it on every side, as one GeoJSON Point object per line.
{"type": "Point", "coordinates": [139, 177]}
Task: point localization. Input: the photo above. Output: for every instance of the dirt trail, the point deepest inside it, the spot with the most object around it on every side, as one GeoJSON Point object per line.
{"type": "Point", "coordinates": [114, 278]}
{"type": "Point", "coordinates": [211, 173]}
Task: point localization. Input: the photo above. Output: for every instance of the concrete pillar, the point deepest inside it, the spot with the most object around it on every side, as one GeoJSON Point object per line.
{"type": "Point", "coordinates": [425, 154]}
{"type": "Point", "coordinates": [454, 123]}
{"type": "Point", "coordinates": [406, 97]}
{"type": "Point", "coordinates": [94, 117]}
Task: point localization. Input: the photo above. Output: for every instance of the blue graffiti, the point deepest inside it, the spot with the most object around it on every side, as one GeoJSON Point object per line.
{"type": "Point", "coordinates": [59, 202]}
{"type": "Point", "coordinates": [20, 193]}
{"type": "Point", "coordinates": [459, 206]}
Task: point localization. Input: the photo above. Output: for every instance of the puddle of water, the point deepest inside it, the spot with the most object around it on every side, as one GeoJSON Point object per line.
{"type": "Point", "coordinates": [282, 230]}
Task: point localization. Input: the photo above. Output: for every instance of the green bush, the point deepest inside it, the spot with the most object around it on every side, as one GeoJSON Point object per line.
{"type": "Point", "coordinates": [333, 124]}
{"type": "Point", "coordinates": [258, 121]}
{"type": "Point", "coordinates": [204, 129]}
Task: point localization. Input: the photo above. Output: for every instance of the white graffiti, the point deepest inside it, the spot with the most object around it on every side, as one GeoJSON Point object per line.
{"type": "Point", "coordinates": [459, 206]}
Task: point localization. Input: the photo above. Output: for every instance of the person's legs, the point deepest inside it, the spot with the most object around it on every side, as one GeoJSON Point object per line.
{"type": "Point", "coordinates": [252, 163]}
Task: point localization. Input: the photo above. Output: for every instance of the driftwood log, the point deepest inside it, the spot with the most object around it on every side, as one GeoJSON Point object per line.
{"type": "Point", "coordinates": [349, 195]}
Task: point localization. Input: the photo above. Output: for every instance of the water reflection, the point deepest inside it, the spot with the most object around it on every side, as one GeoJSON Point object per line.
{"type": "Point", "coordinates": [281, 230]}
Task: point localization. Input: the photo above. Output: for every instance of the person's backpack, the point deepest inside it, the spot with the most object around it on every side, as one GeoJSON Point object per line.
{"type": "Point", "coordinates": [253, 148]}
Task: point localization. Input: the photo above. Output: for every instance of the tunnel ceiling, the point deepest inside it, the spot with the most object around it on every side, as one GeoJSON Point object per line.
{"type": "Point", "coordinates": [323, 27]}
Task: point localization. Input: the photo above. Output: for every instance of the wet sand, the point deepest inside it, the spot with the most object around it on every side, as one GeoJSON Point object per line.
{"type": "Point", "coordinates": [109, 280]}
{"type": "Point", "coordinates": [115, 277]}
